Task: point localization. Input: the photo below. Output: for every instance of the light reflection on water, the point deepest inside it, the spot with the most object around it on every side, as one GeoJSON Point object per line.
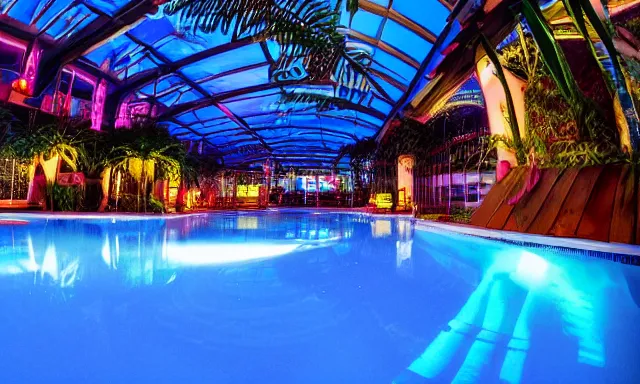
{"type": "Point", "coordinates": [294, 297]}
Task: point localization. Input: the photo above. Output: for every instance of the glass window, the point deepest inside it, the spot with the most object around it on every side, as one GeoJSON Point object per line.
{"type": "Point", "coordinates": [81, 99]}
{"type": "Point", "coordinates": [405, 40]}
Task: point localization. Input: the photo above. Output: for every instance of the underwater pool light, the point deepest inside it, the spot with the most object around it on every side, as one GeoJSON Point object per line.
{"type": "Point", "coordinates": [224, 253]}
{"type": "Point", "coordinates": [531, 270]}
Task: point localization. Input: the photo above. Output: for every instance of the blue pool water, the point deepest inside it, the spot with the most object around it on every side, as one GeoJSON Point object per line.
{"type": "Point", "coordinates": [301, 297]}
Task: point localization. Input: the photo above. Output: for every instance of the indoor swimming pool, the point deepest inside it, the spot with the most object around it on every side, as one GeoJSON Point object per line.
{"type": "Point", "coordinates": [304, 297]}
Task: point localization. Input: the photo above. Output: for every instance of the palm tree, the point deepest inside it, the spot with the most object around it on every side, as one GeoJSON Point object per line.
{"type": "Point", "coordinates": [307, 32]}
{"type": "Point", "coordinates": [146, 151]}
{"type": "Point", "coordinates": [50, 145]}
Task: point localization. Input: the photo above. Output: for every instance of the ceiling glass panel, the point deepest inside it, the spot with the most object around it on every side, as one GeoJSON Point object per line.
{"type": "Point", "coordinates": [165, 60]}
{"type": "Point", "coordinates": [432, 16]}
{"type": "Point", "coordinates": [381, 106]}
{"type": "Point", "coordinates": [208, 113]}
{"type": "Point", "coordinates": [183, 95]}
{"type": "Point", "coordinates": [405, 40]}
{"type": "Point", "coordinates": [139, 64]}
{"type": "Point", "coordinates": [162, 85]}
{"type": "Point", "coordinates": [366, 23]}
{"type": "Point", "coordinates": [394, 66]}
{"type": "Point", "coordinates": [113, 54]}
{"type": "Point", "coordinates": [108, 6]}
{"type": "Point", "coordinates": [242, 79]}
{"type": "Point", "coordinates": [252, 106]}
{"type": "Point", "coordinates": [224, 62]}
{"type": "Point", "coordinates": [391, 90]}
{"type": "Point", "coordinates": [151, 31]}
{"type": "Point", "coordinates": [68, 22]}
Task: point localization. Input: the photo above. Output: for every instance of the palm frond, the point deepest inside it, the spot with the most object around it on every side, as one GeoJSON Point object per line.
{"type": "Point", "coordinates": [308, 32]}
{"type": "Point", "coordinates": [322, 102]}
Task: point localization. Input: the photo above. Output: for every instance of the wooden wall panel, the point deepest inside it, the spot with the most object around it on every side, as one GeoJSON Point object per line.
{"type": "Point", "coordinates": [597, 203]}
{"type": "Point", "coordinates": [595, 223]}
{"type": "Point", "coordinates": [528, 207]}
{"type": "Point", "coordinates": [571, 212]}
{"type": "Point", "coordinates": [624, 210]}
{"type": "Point", "coordinates": [496, 196]}
{"type": "Point", "coordinates": [546, 217]}
{"type": "Point", "coordinates": [501, 215]}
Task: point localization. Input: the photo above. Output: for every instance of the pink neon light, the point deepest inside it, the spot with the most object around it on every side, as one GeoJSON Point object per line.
{"type": "Point", "coordinates": [130, 109]}
{"type": "Point", "coordinates": [97, 109]}
{"type": "Point", "coordinates": [80, 74]}
{"type": "Point", "coordinates": [124, 119]}
{"type": "Point", "coordinates": [31, 67]}
{"type": "Point", "coordinates": [13, 42]}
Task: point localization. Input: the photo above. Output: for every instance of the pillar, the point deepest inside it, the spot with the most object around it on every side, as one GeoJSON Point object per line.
{"type": "Point", "coordinates": [235, 190]}
{"type": "Point", "coordinates": [317, 190]}
{"type": "Point", "coordinates": [496, 104]}
{"type": "Point", "coordinates": [97, 107]}
{"type": "Point", "coordinates": [405, 177]}
{"type": "Point", "coordinates": [30, 68]}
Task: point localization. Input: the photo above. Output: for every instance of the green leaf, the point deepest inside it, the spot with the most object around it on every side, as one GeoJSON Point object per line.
{"type": "Point", "coordinates": [551, 52]}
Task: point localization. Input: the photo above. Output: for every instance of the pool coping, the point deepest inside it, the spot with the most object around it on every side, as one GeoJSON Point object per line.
{"type": "Point", "coordinates": [531, 239]}
{"type": "Point", "coordinates": [573, 247]}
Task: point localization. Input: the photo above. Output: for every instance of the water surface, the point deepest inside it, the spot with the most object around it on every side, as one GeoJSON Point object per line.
{"type": "Point", "coordinates": [303, 297]}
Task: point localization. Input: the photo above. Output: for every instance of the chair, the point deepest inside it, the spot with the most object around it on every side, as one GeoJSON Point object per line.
{"type": "Point", "coordinates": [384, 201]}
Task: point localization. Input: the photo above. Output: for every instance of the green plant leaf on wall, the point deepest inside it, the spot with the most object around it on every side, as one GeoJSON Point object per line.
{"type": "Point", "coordinates": [623, 92]}
{"type": "Point", "coordinates": [551, 52]}
{"type": "Point", "coordinates": [574, 9]}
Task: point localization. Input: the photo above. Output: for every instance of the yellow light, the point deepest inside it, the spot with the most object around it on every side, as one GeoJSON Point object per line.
{"type": "Point", "coordinates": [21, 85]}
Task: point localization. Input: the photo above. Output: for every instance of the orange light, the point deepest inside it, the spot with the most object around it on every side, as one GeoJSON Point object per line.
{"type": "Point", "coordinates": [21, 85]}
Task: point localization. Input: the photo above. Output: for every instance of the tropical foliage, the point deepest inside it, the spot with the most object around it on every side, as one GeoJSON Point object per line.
{"type": "Point", "coordinates": [61, 139]}
{"type": "Point", "coordinates": [307, 30]}
{"type": "Point", "coordinates": [633, 65]}
{"type": "Point", "coordinates": [375, 164]}
{"type": "Point", "coordinates": [312, 45]}
{"type": "Point", "coordinates": [145, 152]}
{"type": "Point", "coordinates": [632, 25]}
{"type": "Point", "coordinates": [7, 122]}
{"type": "Point", "coordinates": [563, 126]}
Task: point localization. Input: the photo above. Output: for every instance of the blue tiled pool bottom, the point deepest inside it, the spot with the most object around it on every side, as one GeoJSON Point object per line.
{"type": "Point", "coordinates": [303, 297]}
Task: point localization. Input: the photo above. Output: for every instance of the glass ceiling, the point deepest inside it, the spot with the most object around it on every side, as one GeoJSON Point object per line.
{"type": "Point", "coordinates": [225, 91]}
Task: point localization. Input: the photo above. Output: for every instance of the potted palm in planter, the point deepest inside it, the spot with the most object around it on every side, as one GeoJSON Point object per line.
{"type": "Point", "coordinates": [50, 147]}
{"type": "Point", "coordinates": [146, 152]}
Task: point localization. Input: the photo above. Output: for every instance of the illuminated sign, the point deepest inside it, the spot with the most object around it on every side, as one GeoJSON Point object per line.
{"type": "Point", "coordinates": [69, 179]}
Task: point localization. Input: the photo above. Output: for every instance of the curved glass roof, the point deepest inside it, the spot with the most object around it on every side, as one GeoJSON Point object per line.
{"type": "Point", "coordinates": [225, 92]}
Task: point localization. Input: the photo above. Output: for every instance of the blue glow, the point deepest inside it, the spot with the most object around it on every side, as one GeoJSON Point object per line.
{"type": "Point", "coordinates": [372, 299]}
{"type": "Point", "coordinates": [220, 66]}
